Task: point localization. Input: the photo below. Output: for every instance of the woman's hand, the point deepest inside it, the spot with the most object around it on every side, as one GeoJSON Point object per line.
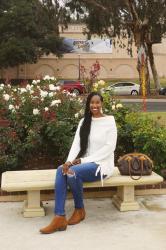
{"type": "Point", "coordinates": [65, 167]}
{"type": "Point", "coordinates": [76, 161]}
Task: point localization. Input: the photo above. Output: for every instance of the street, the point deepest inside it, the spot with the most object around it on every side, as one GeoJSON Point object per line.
{"type": "Point", "coordinates": [152, 105]}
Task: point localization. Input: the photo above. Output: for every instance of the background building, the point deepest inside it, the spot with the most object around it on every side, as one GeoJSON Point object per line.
{"type": "Point", "coordinates": [114, 61]}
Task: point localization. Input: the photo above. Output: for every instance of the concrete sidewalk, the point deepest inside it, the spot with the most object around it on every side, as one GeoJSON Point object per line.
{"type": "Point", "coordinates": [105, 228]}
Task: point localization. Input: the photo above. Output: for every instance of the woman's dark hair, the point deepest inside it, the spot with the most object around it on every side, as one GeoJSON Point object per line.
{"type": "Point", "coordinates": [86, 125]}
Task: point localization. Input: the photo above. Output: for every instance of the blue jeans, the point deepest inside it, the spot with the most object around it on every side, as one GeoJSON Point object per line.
{"type": "Point", "coordinates": [81, 173]}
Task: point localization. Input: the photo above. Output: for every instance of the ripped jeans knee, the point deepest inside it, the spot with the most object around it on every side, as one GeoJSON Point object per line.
{"type": "Point", "coordinates": [71, 173]}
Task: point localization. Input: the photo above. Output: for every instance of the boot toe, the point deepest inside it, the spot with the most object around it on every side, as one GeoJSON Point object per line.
{"type": "Point", "coordinates": [59, 223]}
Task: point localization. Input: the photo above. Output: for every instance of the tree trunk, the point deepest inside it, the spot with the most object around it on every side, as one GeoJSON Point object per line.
{"type": "Point", "coordinates": [147, 78]}
{"type": "Point", "coordinates": [153, 67]}
{"type": "Point", "coordinates": [146, 69]}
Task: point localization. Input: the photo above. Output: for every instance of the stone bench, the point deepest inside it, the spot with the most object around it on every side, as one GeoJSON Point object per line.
{"type": "Point", "coordinates": [33, 181]}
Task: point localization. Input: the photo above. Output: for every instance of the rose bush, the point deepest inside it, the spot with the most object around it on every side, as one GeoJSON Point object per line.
{"type": "Point", "coordinates": [42, 120]}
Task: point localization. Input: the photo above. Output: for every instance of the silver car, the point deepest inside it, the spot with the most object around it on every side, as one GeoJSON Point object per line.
{"type": "Point", "coordinates": [124, 88]}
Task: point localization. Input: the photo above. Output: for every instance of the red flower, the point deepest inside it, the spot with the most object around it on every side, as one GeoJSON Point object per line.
{"type": "Point", "coordinates": [49, 115]}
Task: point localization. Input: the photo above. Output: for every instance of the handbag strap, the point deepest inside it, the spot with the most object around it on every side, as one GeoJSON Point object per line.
{"type": "Point", "coordinates": [129, 162]}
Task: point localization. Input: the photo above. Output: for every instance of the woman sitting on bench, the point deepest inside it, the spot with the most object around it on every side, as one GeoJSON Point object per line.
{"type": "Point", "coordinates": [91, 158]}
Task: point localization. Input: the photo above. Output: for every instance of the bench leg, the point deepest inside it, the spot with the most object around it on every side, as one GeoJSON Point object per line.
{"type": "Point", "coordinates": [32, 206]}
{"type": "Point", "coordinates": [124, 200]}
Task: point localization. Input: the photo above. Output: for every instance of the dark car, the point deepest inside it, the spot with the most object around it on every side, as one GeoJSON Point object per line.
{"type": "Point", "coordinates": [73, 86]}
{"type": "Point", "coordinates": [162, 91]}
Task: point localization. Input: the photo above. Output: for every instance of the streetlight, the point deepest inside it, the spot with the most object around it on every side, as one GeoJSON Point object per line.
{"type": "Point", "coordinates": [78, 66]}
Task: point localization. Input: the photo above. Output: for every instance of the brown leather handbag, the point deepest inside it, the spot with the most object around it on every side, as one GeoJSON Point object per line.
{"type": "Point", "coordinates": [135, 164]}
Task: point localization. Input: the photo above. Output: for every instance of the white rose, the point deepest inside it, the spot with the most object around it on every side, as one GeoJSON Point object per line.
{"type": "Point", "coordinates": [36, 111]}
{"type": "Point", "coordinates": [23, 90]}
{"type": "Point", "coordinates": [28, 87]}
{"type": "Point", "coordinates": [46, 77]}
{"type": "Point", "coordinates": [51, 94]}
{"type": "Point", "coordinates": [113, 107]}
{"type": "Point", "coordinates": [80, 100]}
{"type": "Point", "coordinates": [55, 102]}
{"type": "Point", "coordinates": [2, 85]}
{"type": "Point", "coordinates": [31, 92]}
{"type": "Point", "coordinates": [119, 105]}
{"type": "Point", "coordinates": [76, 115]}
{"type": "Point", "coordinates": [38, 81]}
{"type": "Point", "coordinates": [6, 97]}
{"type": "Point", "coordinates": [43, 93]}
{"type": "Point", "coordinates": [9, 86]}
{"type": "Point", "coordinates": [34, 82]}
{"type": "Point", "coordinates": [57, 88]}
{"type": "Point", "coordinates": [11, 107]}
{"type": "Point", "coordinates": [13, 110]}
{"type": "Point", "coordinates": [35, 97]}
{"type": "Point", "coordinates": [52, 87]}
{"type": "Point", "coordinates": [81, 111]}
{"type": "Point", "coordinates": [46, 109]}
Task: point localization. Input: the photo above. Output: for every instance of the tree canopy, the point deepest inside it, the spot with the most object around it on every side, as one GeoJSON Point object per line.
{"type": "Point", "coordinates": [28, 30]}
{"type": "Point", "coordinates": [142, 22]}
{"type": "Point", "coordinates": [113, 17]}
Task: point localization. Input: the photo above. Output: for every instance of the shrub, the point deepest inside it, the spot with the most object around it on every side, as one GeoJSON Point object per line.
{"type": "Point", "coordinates": [148, 137]}
{"type": "Point", "coordinates": [42, 119]}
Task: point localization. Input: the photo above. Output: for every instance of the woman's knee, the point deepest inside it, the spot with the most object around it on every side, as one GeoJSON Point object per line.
{"type": "Point", "coordinates": [59, 169]}
{"type": "Point", "coordinates": [71, 173]}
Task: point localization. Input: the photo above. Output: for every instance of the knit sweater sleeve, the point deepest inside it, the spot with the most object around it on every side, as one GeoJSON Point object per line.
{"type": "Point", "coordinates": [105, 150]}
{"type": "Point", "coordinates": [75, 148]}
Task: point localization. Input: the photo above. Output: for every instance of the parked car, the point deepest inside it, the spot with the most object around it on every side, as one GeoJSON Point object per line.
{"type": "Point", "coordinates": [162, 91]}
{"type": "Point", "coordinates": [73, 86]}
{"type": "Point", "coordinates": [124, 88]}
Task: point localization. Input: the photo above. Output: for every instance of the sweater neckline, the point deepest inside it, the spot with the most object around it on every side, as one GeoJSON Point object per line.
{"type": "Point", "coordinates": [99, 118]}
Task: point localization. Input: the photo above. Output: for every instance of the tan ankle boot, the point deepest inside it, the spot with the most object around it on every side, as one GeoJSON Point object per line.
{"type": "Point", "coordinates": [59, 223]}
{"type": "Point", "coordinates": [77, 216]}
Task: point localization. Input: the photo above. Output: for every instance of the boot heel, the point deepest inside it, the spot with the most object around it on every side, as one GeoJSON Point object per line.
{"type": "Point", "coordinates": [62, 229]}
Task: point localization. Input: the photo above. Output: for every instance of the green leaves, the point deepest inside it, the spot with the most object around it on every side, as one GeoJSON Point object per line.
{"type": "Point", "coordinates": [42, 123]}
{"type": "Point", "coordinates": [28, 30]}
{"type": "Point", "coordinates": [146, 136]}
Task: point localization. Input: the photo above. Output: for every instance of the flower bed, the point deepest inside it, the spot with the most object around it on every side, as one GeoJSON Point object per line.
{"type": "Point", "coordinates": [38, 122]}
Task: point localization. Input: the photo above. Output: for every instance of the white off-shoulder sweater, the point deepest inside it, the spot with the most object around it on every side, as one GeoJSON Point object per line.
{"type": "Point", "coordinates": [101, 145]}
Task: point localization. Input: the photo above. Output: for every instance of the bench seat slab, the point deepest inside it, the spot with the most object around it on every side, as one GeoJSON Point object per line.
{"type": "Point", "coordinates": [124, 199]}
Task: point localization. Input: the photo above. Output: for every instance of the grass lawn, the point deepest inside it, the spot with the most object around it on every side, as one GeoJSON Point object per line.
{"type": "Point", "coordinates": [157, 116]}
